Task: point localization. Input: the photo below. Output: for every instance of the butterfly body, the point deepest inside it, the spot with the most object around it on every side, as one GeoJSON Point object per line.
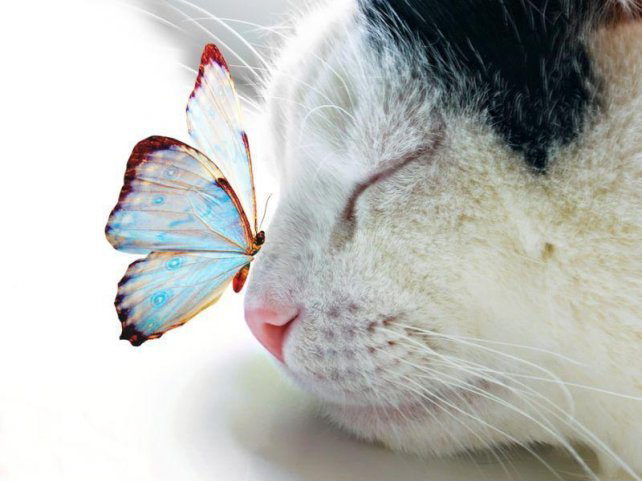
{"type": "Point", "coordinates": [191, 211]}
{"type": "Point", "coordinates": [241, 276]}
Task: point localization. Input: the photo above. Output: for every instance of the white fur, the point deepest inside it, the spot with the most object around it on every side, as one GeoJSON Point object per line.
{"type": "Point", "coordinates": [537, 278]}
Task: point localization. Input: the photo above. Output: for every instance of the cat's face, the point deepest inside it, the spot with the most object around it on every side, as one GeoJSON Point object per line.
{"type": "Point", "coordinates": [425, 214]}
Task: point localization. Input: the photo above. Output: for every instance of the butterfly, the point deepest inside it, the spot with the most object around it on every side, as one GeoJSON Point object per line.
{"type": "Point", "coordinates": [191, 211]}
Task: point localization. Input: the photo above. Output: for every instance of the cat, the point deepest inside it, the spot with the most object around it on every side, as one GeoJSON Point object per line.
{"type": "Point", "coordinates": [455, 262]}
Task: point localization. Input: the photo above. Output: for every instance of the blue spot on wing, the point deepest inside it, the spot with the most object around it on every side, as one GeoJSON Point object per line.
{"type": "Point", "coordinates": [174, 264]}
{"type": "Point", "coordinates": [165, 290]}
{"type": "Point", "coordinates": [171, 201]}
{"type": "Point", "coordinates": [160, 298]}
{"type": "Point", "coordinates": [187, 220]}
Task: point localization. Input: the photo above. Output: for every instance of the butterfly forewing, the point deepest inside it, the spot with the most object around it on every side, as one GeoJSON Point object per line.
{"type": "Point", "coordinates": [214, 122]}
{"type": "Point", "coordinates": [175, 199]}
{"type": "Point", "coordinates": [166, 289]}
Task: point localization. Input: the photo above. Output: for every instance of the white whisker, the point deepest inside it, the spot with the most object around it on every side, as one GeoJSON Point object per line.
{"type": "Point", "coordinates": [213, 17]}
{"type": "Point", "coordinates": [471, 388]}
{"type": "Point", "coordinates": [156, 17]}
{"type": "Point", "coordinates": [422, 399]}
{"type": "Point", "coordinates": [480, 421]}
{"type": "Point", "coordinates": [531, 348]}
{"type": "Point", "coordinates": [499, 343]}
{"type": "Point", "coordinates": [569, 420]}
{"type": "Point", "coordinates": [567, 394]}
{"type": "Point", "coordinates": [215, 37]}
{"type": "Point", "coordinates": [560, 383]}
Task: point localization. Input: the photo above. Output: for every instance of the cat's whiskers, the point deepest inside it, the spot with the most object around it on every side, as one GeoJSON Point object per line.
{"type": "Point", "coordinates": [558, 380]}
{"type": "Point", "coordinates": [565, 391]}
{"type": "Point", "coordinates": [543, 379]}
{"type": "Point", "coordinates": [258, 27]}
{"type": "Point", "coordinates": [213, 35]}
{"type": "Point", "coordinates": [158, 18]}
{"type": "Point", "coordinates": [565, 418]}
{"type": "Point", "coordinates": [253, 105]}
{"type": "Point", "coordinates": [471, 341]}
{"type": "Point", "coordinates": [267, 65]}
{"type": "Point", "coordinates": [443, 403]}
{"type": "Point", "coordinates": [443, 379]}
{"type": "Point", "coordinates": [273, 29]}
{"type": "Point", "coordinates": [244, 64]}
{"type": "Point", "coordinates": [380, 401]}
{"type": "Point", "coordinates": [217, 19]}
{"type": "Point", "coordinates": [485, 429]}
{"type": "Point", "coordinates": [544, 422]}
{"type": "Point", "coordinates": [421, 400]}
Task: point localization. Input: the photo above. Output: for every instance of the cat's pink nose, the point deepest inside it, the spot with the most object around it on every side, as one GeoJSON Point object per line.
{"type": "Point", "coordinates": [270, 325]}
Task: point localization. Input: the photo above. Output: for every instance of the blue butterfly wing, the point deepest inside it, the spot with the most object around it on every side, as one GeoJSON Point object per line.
{"type": "Point", "coordinates": [166, 289]}
{"type": "Point", "coordinates": [175, 199]}
{"type": "Point", "coordinates": [179, 207]}
{"type": "Point", "coordinates": [214, 123]}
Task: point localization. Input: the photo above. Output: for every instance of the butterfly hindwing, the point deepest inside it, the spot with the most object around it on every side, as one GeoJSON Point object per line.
{"type": "Point", "coordinates": [175, 199]}
{"type": "Point", "coordinates": [166, 289]}
{"type": "Point", "coordinates": [214, 123]}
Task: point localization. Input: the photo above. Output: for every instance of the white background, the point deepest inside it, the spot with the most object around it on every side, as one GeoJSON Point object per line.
{"type": "Point", "coordinates": [82, 82]}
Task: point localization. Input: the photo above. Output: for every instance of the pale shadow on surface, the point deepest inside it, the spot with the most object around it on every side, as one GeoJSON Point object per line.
{"type": "Point", "coordinates": [276, 433]}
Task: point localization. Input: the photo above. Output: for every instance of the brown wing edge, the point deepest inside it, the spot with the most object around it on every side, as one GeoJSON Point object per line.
{"type": "Point", "coordinates": [130, 333]}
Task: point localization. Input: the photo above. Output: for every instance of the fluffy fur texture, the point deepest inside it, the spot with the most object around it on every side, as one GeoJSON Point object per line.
{"type": "Point", "coordinates": [468, 301]}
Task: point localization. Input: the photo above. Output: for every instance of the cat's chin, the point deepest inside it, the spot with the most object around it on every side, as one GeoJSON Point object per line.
{"type": "Point", "coordinates": [447, 402]}
{"type": "Point", "coordinates": [367, 415]}
{"type": "Point", "coordinates": [399, 411]}
{"type": "Point", "coordinates": [396, 427]}
{"type": "Point", "coordinates": [423, 428]}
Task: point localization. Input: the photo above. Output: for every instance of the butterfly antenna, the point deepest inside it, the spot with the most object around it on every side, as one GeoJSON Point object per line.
{"type": "Point", "coordinates": [265, 211]}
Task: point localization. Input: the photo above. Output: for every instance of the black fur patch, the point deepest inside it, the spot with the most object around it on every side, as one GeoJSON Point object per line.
{"type": "Point", "coordinates": [524, 58]}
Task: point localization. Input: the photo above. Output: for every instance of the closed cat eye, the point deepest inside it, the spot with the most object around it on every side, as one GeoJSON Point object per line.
{"type": "Point", "coordinates": [349, 210]}
{"type": "Point", "coordinates": [345, 227]}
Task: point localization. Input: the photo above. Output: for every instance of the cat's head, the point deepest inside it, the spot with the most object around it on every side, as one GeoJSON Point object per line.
{"type": "Point", "coordinates": [449, 175]}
